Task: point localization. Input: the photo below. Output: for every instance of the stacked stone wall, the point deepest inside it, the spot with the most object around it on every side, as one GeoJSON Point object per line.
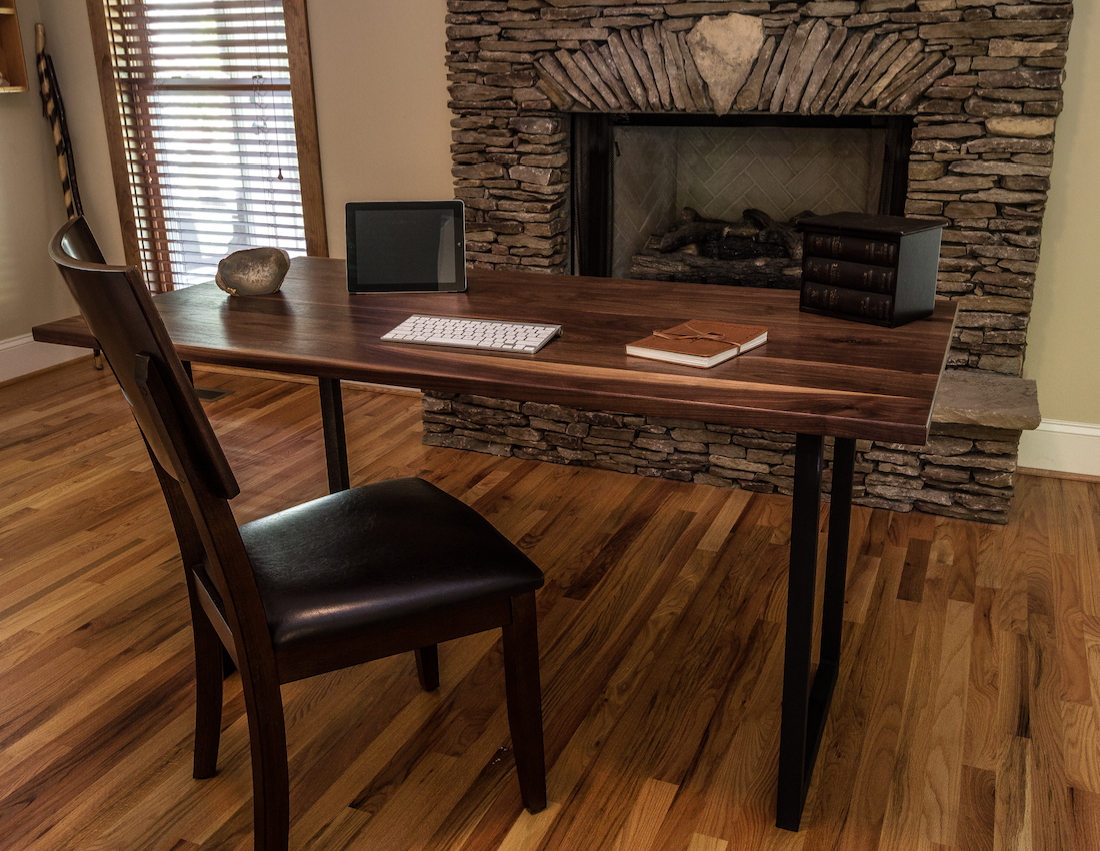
{"type": "Point", "coordinates": [964, 470]}
{"type": "Point", "coordinates": [981, 78]}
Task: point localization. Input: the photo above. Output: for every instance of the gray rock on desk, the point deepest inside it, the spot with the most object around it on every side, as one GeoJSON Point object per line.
{"type": "Point", "coordinates": [253, 271]}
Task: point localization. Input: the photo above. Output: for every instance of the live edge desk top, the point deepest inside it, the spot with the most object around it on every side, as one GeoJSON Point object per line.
{"type": "Point", "coordinates": [816, 375]}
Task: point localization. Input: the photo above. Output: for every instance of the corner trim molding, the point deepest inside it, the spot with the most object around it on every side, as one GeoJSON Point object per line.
{"type": "Point", "coordinates": [21, 356]}
{"type": "Point", "coordinates": [1061, 446]}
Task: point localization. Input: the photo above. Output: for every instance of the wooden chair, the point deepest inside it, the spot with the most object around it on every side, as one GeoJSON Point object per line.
{"type": "Point", "coordinates": [80, 244]}
{"type": "Point", "coordinates": [354, 576]}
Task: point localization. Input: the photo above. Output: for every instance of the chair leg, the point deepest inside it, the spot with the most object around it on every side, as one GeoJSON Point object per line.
{"type": "Point", "coordinates": [228, 665]}
{"type": "Point", "coordinates": [270, 776]}
{"type": "Point", "coordinates": [524, 694]}
{"type": "Point", "coordinates": [427, 667]}
{"type": "Point", "coordinates": [209, 675]}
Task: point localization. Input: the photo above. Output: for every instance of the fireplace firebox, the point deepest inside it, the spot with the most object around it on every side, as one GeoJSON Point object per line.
{"type": "Point", "coordinates": [634, 174]}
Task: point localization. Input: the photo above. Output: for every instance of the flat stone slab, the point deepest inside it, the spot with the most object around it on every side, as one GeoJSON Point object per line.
{"type": "Point", "coordinates": [987, 399]}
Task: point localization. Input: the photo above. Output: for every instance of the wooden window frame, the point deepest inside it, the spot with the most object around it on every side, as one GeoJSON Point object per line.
{"type": "Point", "coordinates": [305, 129]}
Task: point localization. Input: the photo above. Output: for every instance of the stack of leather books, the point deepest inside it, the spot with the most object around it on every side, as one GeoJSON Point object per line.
{"type": "Point", "coordinates": [877, 269]}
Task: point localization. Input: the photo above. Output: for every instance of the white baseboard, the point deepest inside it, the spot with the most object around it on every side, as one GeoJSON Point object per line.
{"type": "Point", "coordinates": [1062, 447]}
{"type": "Point", "coordinates": [21, 356]}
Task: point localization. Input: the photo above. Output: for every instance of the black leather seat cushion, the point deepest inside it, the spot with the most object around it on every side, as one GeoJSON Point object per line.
{"type": "Point", "coordinates": [376, 556]}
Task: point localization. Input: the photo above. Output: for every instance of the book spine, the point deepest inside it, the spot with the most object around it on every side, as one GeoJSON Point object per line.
{"type": "Point", "coordinates": [844, 273]}
{"type": "Point", "coordinates": [847, 301]}
{"type": "Point", "coordinates": [857, 249]}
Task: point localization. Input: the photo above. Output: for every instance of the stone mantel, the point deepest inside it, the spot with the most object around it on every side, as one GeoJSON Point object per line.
{"type": "Point", "coordinates": [981, 79]}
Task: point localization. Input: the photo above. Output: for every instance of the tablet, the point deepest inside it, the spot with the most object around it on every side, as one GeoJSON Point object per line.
{"type": "Point", "coordinates": [406, 246]}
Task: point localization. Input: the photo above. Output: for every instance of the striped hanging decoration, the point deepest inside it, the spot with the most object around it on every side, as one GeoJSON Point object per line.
{"type": "Point", "coordinates": [54, 111]}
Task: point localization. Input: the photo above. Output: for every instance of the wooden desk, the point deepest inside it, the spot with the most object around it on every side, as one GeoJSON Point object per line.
{"type": "Point", "coordinates": [816, 376]}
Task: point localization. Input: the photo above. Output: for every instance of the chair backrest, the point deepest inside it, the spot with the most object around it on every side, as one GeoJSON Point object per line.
{"type": "Point", "coordinates": [193, 471]}
{"type": "Point", "coordinates": [78, 243]}
{"type": "Point", "coordinates": [120, 313]}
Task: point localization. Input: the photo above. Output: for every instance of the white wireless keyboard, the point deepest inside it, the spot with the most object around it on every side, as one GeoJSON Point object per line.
{"type": "Point", "coordinates": [486, 334]}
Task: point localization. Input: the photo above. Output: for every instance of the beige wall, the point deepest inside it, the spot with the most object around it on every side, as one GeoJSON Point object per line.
{"type": "Point", "coordinates": [31, 203]}
{"type": "Point", "coordinates": [380, 77]}
{"type": "Point", "coordinates": [384, 133]}
{"type": "Point", "coordinates": [1063, 353]}
{"type": "Point", "coordinates": [29, 290]}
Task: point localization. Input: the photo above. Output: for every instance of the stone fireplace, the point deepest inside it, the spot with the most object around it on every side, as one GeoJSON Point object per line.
{"type": "Point", "coordinates": [975, 83]}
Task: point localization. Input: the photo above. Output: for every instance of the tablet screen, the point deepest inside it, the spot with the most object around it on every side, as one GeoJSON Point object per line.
{"type": "Point", "coordinates": [406, 246]}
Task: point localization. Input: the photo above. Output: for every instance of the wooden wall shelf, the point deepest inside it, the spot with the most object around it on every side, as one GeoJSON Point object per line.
{"type": "Point", "coordinates": [13, 67]}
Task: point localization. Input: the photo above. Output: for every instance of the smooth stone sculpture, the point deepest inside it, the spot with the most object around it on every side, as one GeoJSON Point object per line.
{"type": "Point", "coordinates": [253, 271]}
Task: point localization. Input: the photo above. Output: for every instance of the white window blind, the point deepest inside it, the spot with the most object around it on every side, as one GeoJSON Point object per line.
{"type": "Point", "coordinates": [208, 125]}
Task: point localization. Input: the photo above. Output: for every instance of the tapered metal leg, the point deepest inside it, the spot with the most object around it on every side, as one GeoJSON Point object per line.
{"type": "Point", "coordinates": [332, 421]}
{"type": "Point", "coordinates": [806, 698]}
{"type": "Point", "coordinates": [836, 558]}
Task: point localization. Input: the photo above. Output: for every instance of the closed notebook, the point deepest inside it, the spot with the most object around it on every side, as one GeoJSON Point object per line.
{"type": "Point", "coordinates": [699, 342]}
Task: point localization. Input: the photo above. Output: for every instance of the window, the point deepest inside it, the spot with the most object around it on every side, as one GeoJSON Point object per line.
{"type": "Point", "coordinates": [205, 131]}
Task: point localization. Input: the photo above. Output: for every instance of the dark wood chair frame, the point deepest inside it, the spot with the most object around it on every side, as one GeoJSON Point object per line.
{"type": "Point", "coordinates": [226, 606]}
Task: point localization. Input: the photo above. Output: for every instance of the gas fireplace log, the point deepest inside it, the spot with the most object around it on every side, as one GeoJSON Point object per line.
{"type": "Point", "coordinates": [737, 248]}
{"type": "Point", "coordinates": [777, 232]}
{"type": "Point", "coordinates": [691, 233]}
{"type": "Point", "coordinates": [756, 235]}
{"type": "Point", "coordinates": [773, 272]}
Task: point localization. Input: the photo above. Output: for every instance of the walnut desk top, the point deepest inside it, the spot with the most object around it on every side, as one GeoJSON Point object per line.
{"type": "Point", "coordinates": [816, 375]}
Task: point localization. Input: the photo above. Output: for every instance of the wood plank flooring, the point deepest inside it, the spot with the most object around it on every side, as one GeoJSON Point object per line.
{"type": "Point", "coordinates": [965, 717]}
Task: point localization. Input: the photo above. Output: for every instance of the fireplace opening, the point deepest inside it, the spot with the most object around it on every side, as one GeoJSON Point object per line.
{"type": "Point", "coordinates": [635, 177]}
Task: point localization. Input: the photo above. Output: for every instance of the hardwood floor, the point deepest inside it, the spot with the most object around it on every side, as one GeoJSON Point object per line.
{"type": "Point", "coordinates": [965, 716]}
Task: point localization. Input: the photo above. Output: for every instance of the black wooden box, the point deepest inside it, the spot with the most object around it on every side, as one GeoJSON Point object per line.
{"type": "Point", "coordinates": [877, 269]}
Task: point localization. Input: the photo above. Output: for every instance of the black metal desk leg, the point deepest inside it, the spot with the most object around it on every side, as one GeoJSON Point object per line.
{"type": "Point", "coordinates": [794, 733]}
{"type": "Point", "coordinates": [836, 558]}
{"type": "Point", "coordinates": [805, 697]}
{"type": "Point", "coordinates": [332, 421]}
